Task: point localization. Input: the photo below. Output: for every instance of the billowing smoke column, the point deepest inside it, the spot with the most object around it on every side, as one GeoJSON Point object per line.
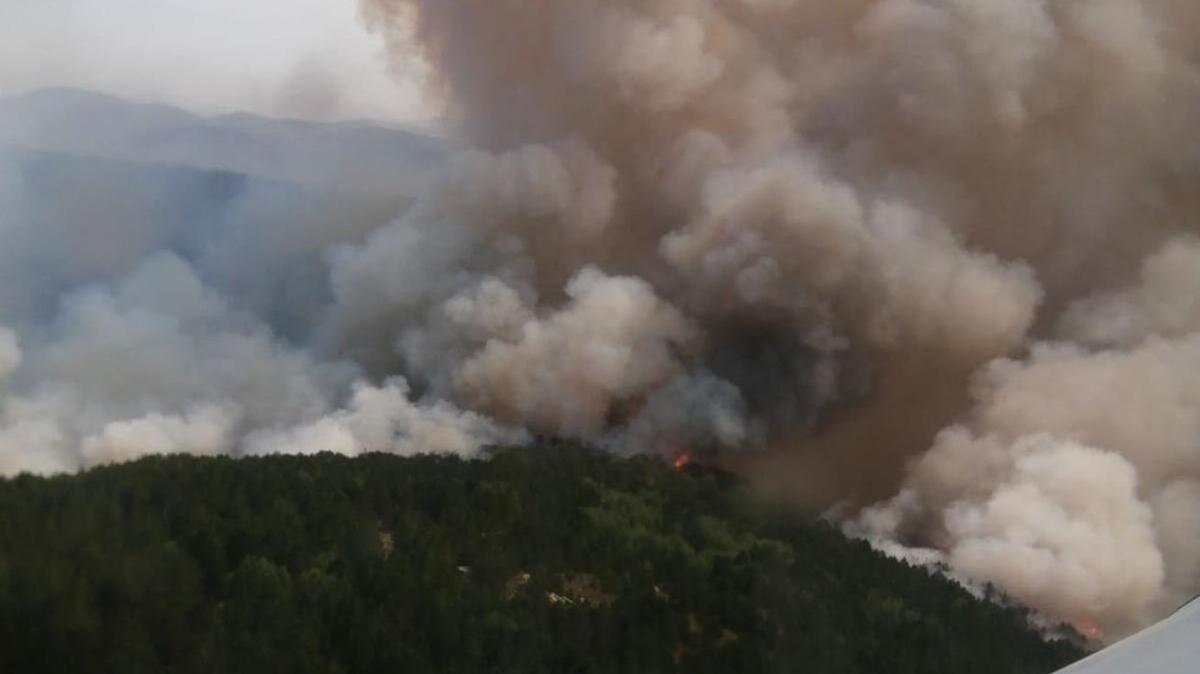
{"type": "Point", "coordinates": [933, 248]}
{"type": "Point", "coordinates": [926, 260]}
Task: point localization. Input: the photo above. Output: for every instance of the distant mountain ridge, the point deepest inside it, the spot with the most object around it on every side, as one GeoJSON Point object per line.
{"type": "Point", "coordinates": [345, 156]}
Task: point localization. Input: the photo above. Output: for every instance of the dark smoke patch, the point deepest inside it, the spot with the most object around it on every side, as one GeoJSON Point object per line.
{"type": "Point", "coordinates": [786, 383]}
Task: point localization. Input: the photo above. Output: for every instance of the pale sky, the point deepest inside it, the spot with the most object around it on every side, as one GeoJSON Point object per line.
{"type": "Point", "coordinates": [310, 59]}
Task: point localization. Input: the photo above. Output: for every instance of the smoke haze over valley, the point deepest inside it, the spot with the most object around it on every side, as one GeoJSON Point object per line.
{"type": "Point", "coordinates": [930, 265]}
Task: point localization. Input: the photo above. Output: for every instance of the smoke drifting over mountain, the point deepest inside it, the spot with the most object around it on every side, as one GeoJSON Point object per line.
{"type": "Point", "coordinates": [927, 259]}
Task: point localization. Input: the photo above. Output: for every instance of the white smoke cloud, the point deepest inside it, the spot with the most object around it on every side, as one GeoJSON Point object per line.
{"type": "Point", "coordinates": [1177, 519]}
{"type": "Point", "coordinates": [204, 431]}
{"type": "Point", "coordinates": [614, 342]}
{"type": "Point", "coordinates": [1065, 529]}
{"type": "Point", "coordinates": [161, 364]}
{"type": "Point", "coordinates": [383, 419]}
{"type": "Point", "coordinates": [1164, 303]}
{"type": "Point", "coordinates": [1073, 484]}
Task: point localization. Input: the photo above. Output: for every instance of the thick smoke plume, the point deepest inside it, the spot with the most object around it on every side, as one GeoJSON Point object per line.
{"type": "Point", "coordinates": [929, 261]}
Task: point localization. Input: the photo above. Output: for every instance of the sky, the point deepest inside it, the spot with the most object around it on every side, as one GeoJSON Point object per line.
{"type": "Point", "coordinates": [309, 59]}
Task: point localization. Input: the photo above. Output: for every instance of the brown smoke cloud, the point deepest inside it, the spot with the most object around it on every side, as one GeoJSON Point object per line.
{"type": "Point", "coordinates": [932, 253]}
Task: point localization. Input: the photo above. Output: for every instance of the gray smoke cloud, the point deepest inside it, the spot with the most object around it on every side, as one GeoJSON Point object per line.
{"type": "Point", "coordinates": [152, 309]}
{"type": "Point", "coordinates": [929, 261]}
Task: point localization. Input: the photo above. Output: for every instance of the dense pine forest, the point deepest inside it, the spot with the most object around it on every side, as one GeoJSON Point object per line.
{"type": "Point", "coordinates": [555, 559]}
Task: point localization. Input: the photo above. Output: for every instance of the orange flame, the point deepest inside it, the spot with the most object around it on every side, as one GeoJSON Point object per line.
{"type": "Point", "coordinates": [682, 460]}
{"type": "Point", "coordinates": [1090, 629]}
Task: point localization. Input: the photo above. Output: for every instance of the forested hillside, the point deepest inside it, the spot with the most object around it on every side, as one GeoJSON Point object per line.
{"type": "Point", "coordinates": [554, 560]}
